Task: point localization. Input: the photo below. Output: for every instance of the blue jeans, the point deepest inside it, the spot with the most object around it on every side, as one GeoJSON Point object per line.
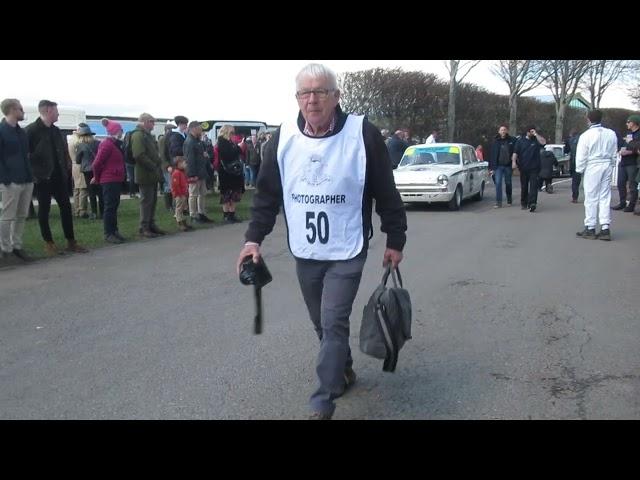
{"type": "Point", "coordinates": [505, 172]}
{"type": "Point", "coordinates": [166, 186]}
{"type": "Point", "coordinates": [248, 173]}
{"type": "Point", "coordinates": [111, 196]}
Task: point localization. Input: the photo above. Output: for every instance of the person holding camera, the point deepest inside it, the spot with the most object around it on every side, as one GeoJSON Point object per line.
{"type": "Point", "coordinates": [326, 169]}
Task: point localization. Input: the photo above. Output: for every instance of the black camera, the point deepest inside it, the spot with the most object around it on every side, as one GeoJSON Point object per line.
{"type": "Point", "coordinates": [254, 273]}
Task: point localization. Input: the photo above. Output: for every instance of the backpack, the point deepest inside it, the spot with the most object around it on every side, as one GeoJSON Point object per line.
{"type": "Point", "coordinates": [128, 152]}
{"type": "Point", "coordinates": [386, 321]}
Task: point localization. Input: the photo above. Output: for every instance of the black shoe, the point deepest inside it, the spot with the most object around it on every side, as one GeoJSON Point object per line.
{"type": "Point", "coordinates": [204, 219]}
{"type": "Point", "coordinates": [196, 220]}
{"type": "Point", "coordinates": [119, 237]}
{"type": "Point", "coordinates": [523, 207]}
{"type": "Point", "coordinates": [233, 218]}
{"type": "Point", "coordinates": [350, 378]}
{"type": "Point", "coordinates": [112, 239]}
{"type": "Point", "coordinates": [618, 207]}
{"type": "Point", "coordinates": [156, 230]}
{"type": "Point", "coordinates": [605, 234]}
{"type": "Point", "coordinates": [509, 203]}
{"type": "Point", "coordinates": [630, 208]}
{"type": "Point", "coordinates": [147, 234]}
{"type": "Point", "coordinates": [588, 233]}
{"type": "Point", "coordinates": [320, 416]}
{"type": "Point", "coordinates": [8, 259]}
{"type": "Point", "coordinates": [22, 255]}
{"type": "Point", "coordinates": [532, 208]}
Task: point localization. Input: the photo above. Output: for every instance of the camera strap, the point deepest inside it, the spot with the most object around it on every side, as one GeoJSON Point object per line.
{"type": "Point", "coordinates": [257, 321]}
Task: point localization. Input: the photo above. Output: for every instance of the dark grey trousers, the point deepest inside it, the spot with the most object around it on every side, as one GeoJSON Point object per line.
{"type": "Point", "coordinates": [329, 289]}
{"type": "Point", "coordinates": [148, 200]}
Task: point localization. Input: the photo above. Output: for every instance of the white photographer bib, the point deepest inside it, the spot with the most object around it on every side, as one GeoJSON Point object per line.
{"type": "Point", "coordinates": [322, 185]}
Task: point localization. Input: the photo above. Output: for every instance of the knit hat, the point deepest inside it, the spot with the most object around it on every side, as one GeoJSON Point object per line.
{"type": "Point", "coordinates": [112, 126]}
{"type": "Point", "coordinates": [635, 118]}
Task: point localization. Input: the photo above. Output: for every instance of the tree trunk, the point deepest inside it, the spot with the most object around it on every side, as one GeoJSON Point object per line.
{"type": "Point", "coordinates": [451, 114]}
{"type": "Point", "coordinates": [560, 122]}
{"type": "Point", "coordinates": [513, 114]}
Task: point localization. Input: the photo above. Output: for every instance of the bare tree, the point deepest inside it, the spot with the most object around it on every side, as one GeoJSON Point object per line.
{"type": "Point", "coordinates": [455, 68]}
{"type": "Point", "coordinates": [634, 93]}
{"type": "Point", "coordinates": [603, 73]}
{"type": "Point", "coordinates": [563, 78]}
{"type": "Point", "coordinates": [521, 76]}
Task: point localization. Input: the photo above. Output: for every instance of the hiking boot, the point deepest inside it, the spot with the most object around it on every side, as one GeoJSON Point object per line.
{"type": "Point", "coordinates": [112, 239]}
{"type": "Point", "coordinates": [320, 416]}
{"type": "Point", "coordinates": [618, 207]}
{"type": "Point", "coordinates": [51, 249]}
{"type": "Point", "coordinates": [532, 208]}
{"type": "Point", "coordinates": [605, 234]}
{"type": "Point", "coordinates": [22, 255]}
{"type": "Point", "coordinates": [146, 233]}
{"type": "Point", "coordinates": [156, 230]}
{"type": "Point", "coordinates": [588, 233]}
{"type": "Point", "coordinates": [73, 246]}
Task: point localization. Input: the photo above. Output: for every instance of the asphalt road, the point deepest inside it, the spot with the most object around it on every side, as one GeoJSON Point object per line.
{"type": "Point", "coordinates": [514, 318]}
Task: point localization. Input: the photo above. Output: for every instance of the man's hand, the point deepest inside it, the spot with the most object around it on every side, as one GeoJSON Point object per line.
{"type": "Point", "coordinates": [393, 256]}
{"type": "Point", "coordinates": [250, 249]}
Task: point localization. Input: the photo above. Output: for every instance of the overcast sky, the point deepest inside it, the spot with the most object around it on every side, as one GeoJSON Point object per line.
{"type": "Point", "coordinates": [201, 89]}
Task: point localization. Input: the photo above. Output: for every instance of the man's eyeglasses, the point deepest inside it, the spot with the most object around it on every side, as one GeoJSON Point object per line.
{"type": "Point", "coordinates": [321, 93]}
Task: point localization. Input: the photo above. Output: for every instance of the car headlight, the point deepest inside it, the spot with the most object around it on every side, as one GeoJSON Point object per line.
{"type": "Point", "coordinates": [443, 180]}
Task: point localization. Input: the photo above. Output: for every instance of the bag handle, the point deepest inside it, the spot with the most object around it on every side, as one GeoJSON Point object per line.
{"type": "Point", "coordinates": [393, 272]}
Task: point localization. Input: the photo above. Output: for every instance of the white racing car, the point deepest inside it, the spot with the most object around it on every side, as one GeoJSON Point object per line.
{"type": "Point", "coordinates": [441, 172]}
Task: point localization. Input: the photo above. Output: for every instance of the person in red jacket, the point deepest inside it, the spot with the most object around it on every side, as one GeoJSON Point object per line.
{"type": "Point", "coordinates": [180, 192]}
{"type": "Point", "coordinates": [109, 173]}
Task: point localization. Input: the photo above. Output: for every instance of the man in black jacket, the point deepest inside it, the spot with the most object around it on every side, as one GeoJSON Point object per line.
{"type": "Point", "coordinates": [51, 164]}
{"type": "Point", "coordinates": [325, 170]}
{"type": "Point", "coordinates": [16, 182]}
{"type": "Point", "coordinates": [527, 157]}
{"type": "Point", "coordinates": [396, 145]}
{"type": "Point", "coordinates": [628, 167]}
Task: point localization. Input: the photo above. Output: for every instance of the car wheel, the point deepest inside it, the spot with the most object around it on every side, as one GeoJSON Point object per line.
{"type": "Point", "coordinates": [456, 200]}
{"type": "Point", "coordinates": [478, 196]}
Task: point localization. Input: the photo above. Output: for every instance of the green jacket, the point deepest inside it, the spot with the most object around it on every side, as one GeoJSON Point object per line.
{"type": "Point", "coordinates": [145, 152]}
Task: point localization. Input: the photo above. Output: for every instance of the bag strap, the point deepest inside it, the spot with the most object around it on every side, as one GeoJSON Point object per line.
{"type": "Point", "coordinates": [393, 272]}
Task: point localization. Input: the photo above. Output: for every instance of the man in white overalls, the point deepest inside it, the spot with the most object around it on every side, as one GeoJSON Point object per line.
{"type": "Point", "coordinates": [325, 170]}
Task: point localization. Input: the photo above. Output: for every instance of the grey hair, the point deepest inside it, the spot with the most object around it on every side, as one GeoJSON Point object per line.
{"type": "Point", "coordinates": [145, 117]}
{"type": "Point", "coordinates": [316, 70]}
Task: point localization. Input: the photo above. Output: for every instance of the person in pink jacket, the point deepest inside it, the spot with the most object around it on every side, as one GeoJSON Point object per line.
{"type": "Point", "coordinates": [109, 173]}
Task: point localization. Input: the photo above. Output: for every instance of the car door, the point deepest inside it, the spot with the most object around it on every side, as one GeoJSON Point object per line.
{"type": "Point", "coordinates": [468, 160]}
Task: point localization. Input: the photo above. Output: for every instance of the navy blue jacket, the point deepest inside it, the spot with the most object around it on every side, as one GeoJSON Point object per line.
{"type": "Point", "coordinates": [14, 155]}
{"type": "Point", "coordinates": [528, 152]}
{"type": "Point", "coordinates": [494, 154]}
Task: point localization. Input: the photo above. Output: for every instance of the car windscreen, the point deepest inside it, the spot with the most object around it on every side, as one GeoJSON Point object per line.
{"type": "Point", "coordinates": [430, 155]}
